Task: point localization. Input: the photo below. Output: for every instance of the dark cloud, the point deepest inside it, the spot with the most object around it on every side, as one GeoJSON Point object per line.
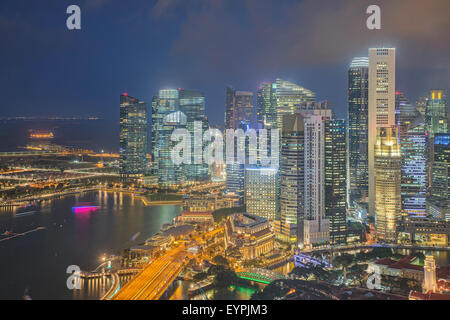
{"type": "Point", "coordinates": [310, 32]}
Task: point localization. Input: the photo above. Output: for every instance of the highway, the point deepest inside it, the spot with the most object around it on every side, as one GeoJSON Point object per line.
{"type": "Point", "coordinates": [154, 279]}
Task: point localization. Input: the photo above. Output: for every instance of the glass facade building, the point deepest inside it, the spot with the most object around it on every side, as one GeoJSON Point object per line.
{"type": "Point", "coordinates": [336, 179]}
{"type": "Point", "coordinates": [133, 138]}
{"type": "Point", "coordinates": [261, 196]}
{"type": "Point", "coordinates": [358, 115]}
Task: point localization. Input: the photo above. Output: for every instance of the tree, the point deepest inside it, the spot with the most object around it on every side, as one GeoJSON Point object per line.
{"type": "Point", "coordinates": [301, 272]}
{"type": "Point", "coordinates": [220, 260]}
{"type": "Point", "coordinates": [200, 276]}
{"type": "Point", "coordinates": [344, 261]}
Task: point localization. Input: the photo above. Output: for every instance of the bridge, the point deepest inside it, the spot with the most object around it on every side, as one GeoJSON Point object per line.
{"type": "Point", "coordinates": [304, 260]}
{"type": "Point", "coordinates": [259, 275]}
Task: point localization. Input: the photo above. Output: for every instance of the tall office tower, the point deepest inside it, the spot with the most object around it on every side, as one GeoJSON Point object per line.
{"type": "Point", "coordinates": [388, 164]}
{"type": "Point", "coordinates": [292, 177]}
{"type": "Point", "coordinates": [336, 179]}
{"type": "Point", "coordinates": [166, 103]}
{"type": "Point", "coordinates": [261, 198]}
{"type": "Point", "coordinates": [266, 112]}
{"type": "Point", "coordinates": [238, 108]}
{"type": "Point", "coordinates": [235, 179]}
{"type": "Point", "coordinates": [192, 104]}
{"type": "Point", "coordinates": [381, 105]}
{"type": "Point", "coordinates": [440, 172]}
{"type": "Point", "coordinates": [358, 115]}
{"type": "Point", "coordinates": [289, 98]}
{"type": "Point", "coordinates": [316, 226]}
{"type": "Point", "coordinates": [133, 138]}
{"type": "Point", "coordinates": [421, 105]}
{"type": "Point", "coordinates": [436, 114]}
{"type": "Point", "coordinates": [170, 174]}
{"type": "Point", "coordinates": [405, 112]}
{"type": "Point", "coordinates": [414, 146]}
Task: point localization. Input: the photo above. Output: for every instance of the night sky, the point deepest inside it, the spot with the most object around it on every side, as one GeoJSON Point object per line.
{"type": "Point", "coordinates": [140, 46]}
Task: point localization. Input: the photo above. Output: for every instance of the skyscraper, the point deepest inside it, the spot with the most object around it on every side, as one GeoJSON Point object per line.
{"type": "Point", "coordinates": [192, 104]}
{"type": "Point", "coordinates": [238, 108]}
{"type": "Point", "coordinates": [336, 179]}
{"type": "Point", "coordinates": [289, 98]}
{"type": "Point", "coordinates": [235, 179]}
{"type": "Point", "coordinates": [388, 163]}
{"type": "Point", "coordinates": [292, 177]}
{"type": "Point", "coordinates": [266, 106]}
{"type": "Point", "coordinates": [261, 197]}
{"type": "Point", "coordinates": [133, 138]}
{"type": "Point", "coordinates": [436, 113]}
{"type": "Point", "coordinates": [381, 105]}
{"type": "Point", "coordinates": [163, 104]}
{"type": "Point", "coordinates": [440, 172]}
{"type": "Point", "coordinates": [414, 146]}
{"type": "Point", "coordinates": [316, 226]}
{"type": "Point", "coordinates": [358, 115]}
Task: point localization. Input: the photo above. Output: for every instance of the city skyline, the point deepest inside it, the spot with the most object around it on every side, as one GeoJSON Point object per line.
{"type": "Point", "coordinates": [156, 67]}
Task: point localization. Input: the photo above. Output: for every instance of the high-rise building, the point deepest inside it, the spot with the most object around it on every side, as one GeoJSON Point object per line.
{"type": "Point", "coordinates": [289, 98]}
{"type": "Point", "coordinates": [381, 105]}
{"type": "Point", "coordinates": [316, 225]}
{"type": "Point", "coordinates": [414, 146]}
{"type": "Point", "coordinates": [388, 163]}
{"type": "Point", "coordinates": [163, 104]}
{"type": "Point", "coordinates": [436, 114]}
{"type": "Point", "coordinates": [261, 196]}
{"type": "Point", "coordinates": [358, 115]}
{"type": "Point", "coordinates": [440, 172]}
{"type": "Point", "coordinates": [238, 108]}
{"type": "Point", "coordinates": [405, 112]}
{"type": "Point", "coordinates": [266, 106]}
{"type": "Point", "coordinates": [292, 177]}
{"type": "Point", "coordinates": [235, 179]}
{"type": "Point", "coordinates": [133, 138]}
{"type": "Point", "coordinates": [336, 179]}
{"type": "Point", "coordinates": [192, 104]}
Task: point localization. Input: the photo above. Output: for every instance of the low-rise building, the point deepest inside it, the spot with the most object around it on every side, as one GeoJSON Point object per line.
{"type": "Point", "coordinates": [424, 231]}
{"type": "Point", "coordinates": [194, 217]}
{"type": "Point", "coordinates": [251, 234]}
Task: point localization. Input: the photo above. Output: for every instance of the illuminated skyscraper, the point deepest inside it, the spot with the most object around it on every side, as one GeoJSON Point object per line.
{"type": "Point", "coordinates": [358, 115]}
{"type": "Point", "coordinates": [388, 163]}
{"type": "Point", "coordinates": [164, 103]}
{"type": "Point", "coordinates": [133, 138]}
{"type": "Point", "coordinates": [238, 108]}
{"type": "Point", "coordinates": [336, 179]}
{"type": "Point", "coordinates": [381, 105]}
{"type": "Point", "coordinates": [266, 106]}
{"type": "Point", "coordinates": [414, 146]}
{"type": "Point", "coordinates": [289, 98]}
{"type": "Point", "coordinates": [292, 177]}
{"type": "Point", "coordinates": [440, 172]}
{"type": "Point", "coordinates": [192, 104]}
{"type": "Point", "coordinates": [436, 114]}
{"type": "Point", "coordinates": [316, 225]}
{"type": "Point", "coordinates": [235, 178]}
{"type": "Point", "coordinates": [261, 196]}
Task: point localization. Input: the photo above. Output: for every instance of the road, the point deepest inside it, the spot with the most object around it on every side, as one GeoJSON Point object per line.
{"type": "Point", "coordinates": [154, 279]}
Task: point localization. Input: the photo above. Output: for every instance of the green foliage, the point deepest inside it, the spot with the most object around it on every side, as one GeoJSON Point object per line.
{"type": "Point", "coordinates": [221, 214]}
{"type": "Point", "coordinates": [200, 276]}
{"type": "Point", "coordinates": [220, 260]}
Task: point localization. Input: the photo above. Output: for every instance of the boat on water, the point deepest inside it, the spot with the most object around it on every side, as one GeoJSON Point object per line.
{"type": "Point", "coordinates": [26, 210]}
